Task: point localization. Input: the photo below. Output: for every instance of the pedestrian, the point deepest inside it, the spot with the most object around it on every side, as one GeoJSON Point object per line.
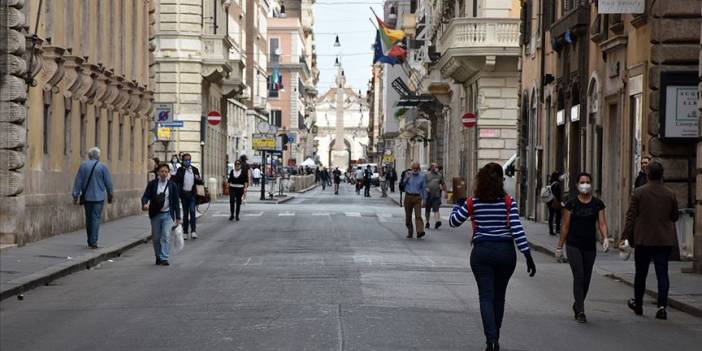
{"type": "Point", "coordinates": [92, 182]}
{"type": "Point", "coordinates": [187, 178]}
{"type": "Point", "coordinates": [391, 178]}
{"type": "Point", "coordinates": [337, 180]}
{"type": "Point", "coordinates": [555, 206]}
{"type": "Point", "coordinates": [367, 177]}
{"type": "Point", "coordinates": [401, 186]}
{"type": "Point", "coordinates": [161, 200]}
{"type": "Point", "coordinates": [435, 186]}
{"type": "Point", "coordinates": [238, 186]}
{"type": "Point", "coordinates": [323, 175]}
{"type": "Point", "coordinates": [383, 185]}
{"type": "Point", "coordinates": [256, 175]}
{"type": "Point", "coordinates": [414, 185]}
{"type": "Point", "coordinates": [358, 175]}
{"type": "Point", "coordinates": [174, 165]}
{"type": "Point", "coordinates": [496, 230]}
{"type": "Point", "coordinates": [154, 173]}
{"type": "Point", "coordinates": [582, 216]}
{"type": "Point", "coordinates": [641, 178]}
{"type": "Point", "coordinates": [650, 228]}
{"type": "Point", "coordinates": [246, 168]}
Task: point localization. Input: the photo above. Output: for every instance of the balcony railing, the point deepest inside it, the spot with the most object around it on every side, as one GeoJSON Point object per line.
{"type": "Point", "coordinates": [476, 33]}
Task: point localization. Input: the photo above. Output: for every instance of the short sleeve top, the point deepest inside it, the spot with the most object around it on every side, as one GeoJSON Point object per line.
{"type": "Point", "coordinates": [582, 232]}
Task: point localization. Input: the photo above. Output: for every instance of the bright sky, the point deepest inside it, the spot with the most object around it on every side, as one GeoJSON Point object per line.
{"type": "Point", "coordinates": [348, 18]}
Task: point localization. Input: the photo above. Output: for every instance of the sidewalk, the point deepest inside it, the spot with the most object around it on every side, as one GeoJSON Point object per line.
{"type": "Point", "coordinates": [40, 262]}
{"type": "Point", "coordinates": [395, 197]}
{"type": "Point", "coordinates": [685, 288]}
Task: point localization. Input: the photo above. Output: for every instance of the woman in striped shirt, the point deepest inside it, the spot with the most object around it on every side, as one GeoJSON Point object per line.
{"type": "Point", "coordinates": [496, 229]}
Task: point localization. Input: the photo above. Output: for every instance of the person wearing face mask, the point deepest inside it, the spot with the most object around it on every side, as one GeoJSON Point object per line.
{"type": "Point", "coordinates": [239, 184]}
{"type": "Point", "coordinates": [414, 184]}
{"type": "Point", "coordinates": [174, 165]}
{"type": "Point", "coordinates": [186, 178]}
{"type": "Point", "coordinates": [641, 179]}
{"type": "Point", "coordinates": [161, 200]}
{"type": "Point", "coordinates": [582, 216]}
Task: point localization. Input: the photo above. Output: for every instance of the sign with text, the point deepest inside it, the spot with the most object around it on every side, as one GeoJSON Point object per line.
{"type": "Point", "coordinates": [163, 113]}
{"type": "Point", "coordinates": [621, 6]}
{"type": "Point", "coordinates": [264, 142]}
{"type": "Point", "coordinates": [400, 87]}
{"type": "Point", "coordinates": [163, 134]}
{"type": "Point", "coordinates": [679, 112]}
{"type": "Point", "coordinates": [388, 159]}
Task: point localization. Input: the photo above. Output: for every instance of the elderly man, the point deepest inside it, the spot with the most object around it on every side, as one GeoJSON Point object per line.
{"type": "Point", "coordinates": [435, 186]}
{"type": "Point", "coordinates": [92, 181]}
{"type": "Point", "coordinates": [414, 184]}
{"type": "Point", "coordinates": [650, 227]}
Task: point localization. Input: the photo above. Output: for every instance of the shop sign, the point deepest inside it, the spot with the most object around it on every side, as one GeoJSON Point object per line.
{"type": "Point", "coordinates": [263, 142]}
{"type": "Point", "coordinates": [679, 95]}
{"type": "Point", "coordinates": [621, 6]}
{"type": "Point", "coordinates": [163, 134]}
{"type": "Point", "coordinates": [488, 133]}
{"type": "Point", "coordinates": [560, 117]}
{"type": "Point", "coordinates": [575, 113]}
{"type": "Point", "coordinates": [388, 159]}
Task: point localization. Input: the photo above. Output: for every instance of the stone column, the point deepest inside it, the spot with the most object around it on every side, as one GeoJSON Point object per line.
{"type": "Point", "coordinates": [339, 156]}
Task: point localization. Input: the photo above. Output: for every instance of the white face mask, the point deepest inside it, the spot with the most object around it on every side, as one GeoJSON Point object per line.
{"type": "Point", "coordinates": [584, 188]}
{"type": "Point", "coordinates": [562, 177]}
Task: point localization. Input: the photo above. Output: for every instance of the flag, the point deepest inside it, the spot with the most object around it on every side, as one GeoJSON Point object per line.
{"type": "Point", "coordinates": [275, 80]}
{"type": "Point", "coordinates": [378, 52]}
{"type": "Point", "coordinates": [394, 35]}
{"type": "Point", "coordinates": [389, 41]}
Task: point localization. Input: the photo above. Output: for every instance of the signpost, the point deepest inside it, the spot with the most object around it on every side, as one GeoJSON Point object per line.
{"type": "Point", "coordinates": [214, 117]}
{"type": "Point", "coordinates": [264, 142]}
{"type": "Point", "coordinates": [163, 113]}
{"type": "Point", "coordinates": [470, 120]}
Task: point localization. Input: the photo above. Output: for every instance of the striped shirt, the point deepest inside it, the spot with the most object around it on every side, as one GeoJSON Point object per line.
{"type": "Point", "coordinates": [490, 220]}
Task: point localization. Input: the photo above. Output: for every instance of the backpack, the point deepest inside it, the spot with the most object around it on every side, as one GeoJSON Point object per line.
{"type": "Point", "coordinates": [547, 193]}
{"type": "Point", "coordinates": [508, 206]}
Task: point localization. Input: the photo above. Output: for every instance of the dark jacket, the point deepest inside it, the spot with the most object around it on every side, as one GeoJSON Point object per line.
{"type": "Point", "coordinates": [174, 202]}
{"type": "Point", "coordinates": [651, 218]}
{"type": "Point", "coordinates": [179, 179]}
{"type": "Point", "coordinates": [641, 179]}
{"type": "Point", "coordinates": [242, 179]}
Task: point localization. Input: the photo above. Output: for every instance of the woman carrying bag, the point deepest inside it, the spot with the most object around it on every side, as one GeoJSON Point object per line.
{"type": "Point", "coordinates": [496, 230]}
{"type": "Point", "coordinates": [238, 185]}
{"type": "Point", "coordinates": [162, 201]}
{"type": "Point", "coordinates": [581, 218]}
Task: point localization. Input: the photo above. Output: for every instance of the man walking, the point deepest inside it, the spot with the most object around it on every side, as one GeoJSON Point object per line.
{"type": "Point", "coordinates": [337, 180]}
{"type": "Point", "coordinates": [324, 175]}
{"type": "Point", "coordinates": [367, 176]}
{"type": "Point", "coordinates": [256, 174]}
{"type": "Point", "coordinates": [435, 185]}
{"type": "Point", "coordinates": [92, 181]}
{"type": "Point", "coordinates": [414, 185]}
{"type": "Point", "coordinates": [186, 178]}
{"type": "Point", "coordinates": [650, 227]}
{"type": "Point", "coordinates": [641, 178]}
{"type": "Point", "coordinates": [391, 178]}
{"type": "Point", "coordinates": [358, 175]}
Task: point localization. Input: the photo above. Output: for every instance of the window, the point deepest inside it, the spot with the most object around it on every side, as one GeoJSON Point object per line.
{"type": "Point", "coordinates": [120, 151]}
{"type": "Point", "coordinates": [67, 129]}
{"type": "Point", "coordinates": [526, 21]}
{"type": "Point", "coordinates": [413, 6]}
{"type": "Point", "coordinates": [109, 137]}
{"type": "Point", "coordinates": [274, 45]}
{"type": "Point", "coordinates": [276, 118]}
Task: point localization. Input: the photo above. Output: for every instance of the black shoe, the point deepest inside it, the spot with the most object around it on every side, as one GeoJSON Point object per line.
{"type": "Point", "coordinates": [165, 263]}
{"type": "Point", "coordinates": [426, 226]}
{"type": "Point", "coordinates": [420, 235]}
{"type": "Point", "coordinates": [158, 261]}
{"type": "Point", "coordinates": [437, 225]}
{"type": "Point", "coordinates": [231, 217]}
{"type": "Point", "coordinates": [237, 219]}
{"type": "Point", "coordinates": [638, 309]}
{"type": "Point", "coordinates": [492, 346]}
{"type": "Point", "coordinates": [580, 317]}
{"type": "Point", "coordinates": [409, 236]}
{"type": "Point", "coordinates": [575, 312]}
{"type": "Point", "coordinates": [661, 314]}
{"type": "Point", "coordinates": [94, 246]}
{"type": "Point", "coordinates": [552, 234]}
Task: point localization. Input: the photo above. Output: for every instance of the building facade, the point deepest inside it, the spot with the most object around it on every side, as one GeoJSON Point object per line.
{"type": "Point", "coordinates": [82, 80]}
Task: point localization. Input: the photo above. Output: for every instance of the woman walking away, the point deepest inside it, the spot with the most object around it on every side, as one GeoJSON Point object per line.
{"type": "Point", "coordinates": [238, 185]}
{"type": "Point", "coordinates": [496, 229]}
{"type": "Point", "coordinates": [555, 207]}
{"type": "Point", "coordinates": [582, 215]}
{"type": "Point", "coordinates": [161, 200]}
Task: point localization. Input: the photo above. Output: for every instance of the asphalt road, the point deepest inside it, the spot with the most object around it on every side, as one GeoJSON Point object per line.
{"type": "Point", "coordinates": [323, 272]}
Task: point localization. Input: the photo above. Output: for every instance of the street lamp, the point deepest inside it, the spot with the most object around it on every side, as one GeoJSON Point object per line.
{"type": "Point", "coordinates": [337, 43]}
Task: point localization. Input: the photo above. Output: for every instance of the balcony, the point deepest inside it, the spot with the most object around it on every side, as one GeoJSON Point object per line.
{"type": "Point", "coordinates": [471, 45]}
{"type": "Point", "coordinates": [215, 57]}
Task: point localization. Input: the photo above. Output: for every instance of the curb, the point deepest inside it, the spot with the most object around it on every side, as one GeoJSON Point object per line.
{"type": "Point", "coordinates": [274, 202]}
{"type": "Point", "coordinates": [306, 190]}
{"type": "Point", "coordinates": [673, 302]}
{"type": "Point", "coordinates": [47, 275]}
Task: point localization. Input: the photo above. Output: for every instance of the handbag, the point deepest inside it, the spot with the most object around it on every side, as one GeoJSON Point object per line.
{"type": "Point", "coordinates": [81, 199]}
{"type": "Point", "coordinates": [203, 195]}
{"type": "Point", "coordinates": [156, 204]}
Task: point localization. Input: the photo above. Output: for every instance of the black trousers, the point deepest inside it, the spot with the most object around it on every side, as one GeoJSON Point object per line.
{"type": "Point", "coordinates": [235, 195]}
{"type": "Point", "coordinates": [492, 264]}
{"type": "Point", "coordinates": [643, 255]}
{"type": "Point", "coordinates": [554, 215]}
{"type": "Point", "coordinates": [366, 188]}
{"type": "Point", "coordinates": [581, 263]}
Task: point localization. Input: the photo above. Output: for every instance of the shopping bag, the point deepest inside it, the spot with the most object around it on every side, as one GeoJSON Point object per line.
{"type": "Point", "coordinates": [177, 238]}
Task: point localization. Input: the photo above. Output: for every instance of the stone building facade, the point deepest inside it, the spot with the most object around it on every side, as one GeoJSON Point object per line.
{"type": "Point", "coordinates": [90, 84]}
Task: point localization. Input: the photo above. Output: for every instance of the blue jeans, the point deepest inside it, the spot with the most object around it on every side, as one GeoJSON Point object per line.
{"type": "Point", "coordinates": [189, 224]}
{"type": "Point", "coordinates": [93, 214]}
{"type": "Point", "coordinates": [493, 263]}
{"type": "Point", "coordinates": [643, 255]}
{"type": "Point", "coordinates": [160, 234]}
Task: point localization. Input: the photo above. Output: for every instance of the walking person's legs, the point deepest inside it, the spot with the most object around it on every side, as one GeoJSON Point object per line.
{"type": "Point", "coordinates": [642, 259]}
{"type": "Point", "coordinates": [503, 272]}
{"type": "Point", "coordinates": [409, 206]}
{"type": "Point", "coordinates": [186, 214]}
{"type": "Point", "coordinates": [93, 217]}
{"type": "Point", "coordinates": [232, 202]}
{"type": "Point", "coordinates": [166, 225]}
{"type": "Point", "coordinates": [484, 273]}
{"type": "Point", "coordinates": [661, 255]}
{"type": "Point", "coordinates": [577, 266]}
{"type": "Point", "coordinates": [588, 264]}
{"type": "Point", "coordinates": [239, 195]}
{"type": "Point", "coordinates": [419, 223]}
{"type": "Point", "coordinates": [427, 212]}
{"type": "Point", "coordinates": [156, 237]}
{"type": "Point", "coordinates": [551, 219]}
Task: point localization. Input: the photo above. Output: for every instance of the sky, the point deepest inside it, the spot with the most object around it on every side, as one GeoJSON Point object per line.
{"type": "Point", "coordinates": [348, 18]}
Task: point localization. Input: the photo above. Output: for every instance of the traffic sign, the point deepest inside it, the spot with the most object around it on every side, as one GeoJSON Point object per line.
{"type": "Point", "coordinates": [163, 113]}
{"type": "Point", "coordinates": [164, 134]}
{"type": "Point", "coordinates": [214, 118]}
{"type": "Point", "coordinates": [263, 142]}
{"type": "Point", "coordinates": [175, 124]}
{"type": "Point", "coordinates": [469, 119]}
{"type": "Point", "coordinates": [292, 138]}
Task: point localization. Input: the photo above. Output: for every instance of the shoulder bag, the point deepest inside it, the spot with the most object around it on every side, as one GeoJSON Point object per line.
{"type": "Point", "coordinates": [81, 199]}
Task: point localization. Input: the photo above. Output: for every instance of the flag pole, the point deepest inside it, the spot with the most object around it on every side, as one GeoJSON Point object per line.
{"type": "Point", "coordinates": [373, 23]}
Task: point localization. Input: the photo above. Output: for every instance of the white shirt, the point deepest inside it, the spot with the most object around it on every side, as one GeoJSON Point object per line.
{"type": "Point", "coordinates": [173, 168]}
{"type": "Point", "coordinates": [188, 179]}
{"type": "Point", "coordinates": [359, 173]}
{"type": "Point", "coordinates": [256, 173]}
{"type": "Point", "coordinates": [162, 188]}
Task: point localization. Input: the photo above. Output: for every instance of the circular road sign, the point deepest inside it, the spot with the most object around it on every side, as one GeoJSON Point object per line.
{"type": "Point", "coordinates": [469, 119]}
{"type": "Point", "coordinates": [263, 127]}
{"type": "Point", "coordinates": [214, 118]}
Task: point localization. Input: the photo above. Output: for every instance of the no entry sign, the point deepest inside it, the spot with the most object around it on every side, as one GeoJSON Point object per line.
{"type": "Point", "coordinates": [469, 120]}
{"type": "Point", "coordinates": [214, 118]}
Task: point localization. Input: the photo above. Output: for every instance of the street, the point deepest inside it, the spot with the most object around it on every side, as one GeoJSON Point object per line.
{"type": "Point", "coordinates": [324, 272]}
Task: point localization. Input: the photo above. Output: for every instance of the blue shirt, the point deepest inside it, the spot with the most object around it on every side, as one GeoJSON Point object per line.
{"type": "Point", "coordinates": [416, 184]}
{"type": "Point", "coordinates": [100, 183]}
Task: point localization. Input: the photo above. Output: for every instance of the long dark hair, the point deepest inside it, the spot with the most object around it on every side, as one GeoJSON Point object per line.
{"type": "Point", "coordinates": [554, 177]}
{"type": "Point", "coordinates": [489, 183]}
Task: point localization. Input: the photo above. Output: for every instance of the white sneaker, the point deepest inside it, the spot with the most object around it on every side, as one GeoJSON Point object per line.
{"type": "Point", "coordinates": [193, 235]}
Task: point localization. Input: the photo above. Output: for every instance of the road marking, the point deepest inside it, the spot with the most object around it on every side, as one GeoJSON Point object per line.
{"type": "Point", "coordinates": [321, 214]}
{"type": "Point", "coordinates": [259, 214]}
{"type": "Point", "coordinates": [286, 214]}
{"type": "Point", "coordinates": [248, 261]}
{"type": "Point", "coordinates": [386, 215]}
{"type": "Point", "coordinates": [353, 214]}
{"type": "Point", "coordinates": [220, 215]}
